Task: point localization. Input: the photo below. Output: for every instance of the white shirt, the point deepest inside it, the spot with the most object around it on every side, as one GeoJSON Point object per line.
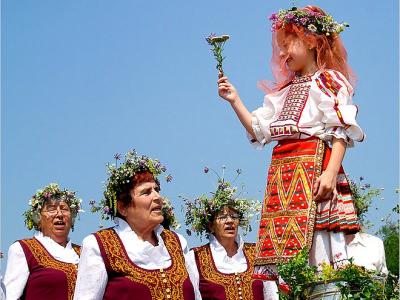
{"type": "Point", "coordinates": [17, 271]}
{"type": "Point", "coordinates": [2, 289]}
{"type": "Point", "coordinates": [368, 251]}
{"type": "Point", "coordinates": [235, 264]}
{"type": "Point", "coordinates": [304, 109]}
{"type": "Point", "coordinates": [92, 274]}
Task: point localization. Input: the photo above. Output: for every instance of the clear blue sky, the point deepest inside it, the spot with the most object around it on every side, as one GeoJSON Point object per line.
{"type": "Point", "coordinates": [82, 80]}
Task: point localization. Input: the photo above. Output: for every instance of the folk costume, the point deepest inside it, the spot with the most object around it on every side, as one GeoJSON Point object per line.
{"type": "Point", "coordinates": [223, 277]}
{"type": "Point", "coordinates": [40, 268]}
{"type": "Point", "coordinates": [303, 117]}
{"type": "Point", "coordinates": [218, 217]}
{"type": "Point", "coordinates": [115, 263]}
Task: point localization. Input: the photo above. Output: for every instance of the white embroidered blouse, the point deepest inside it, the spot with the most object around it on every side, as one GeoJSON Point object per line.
{"type": "Point", "coordinates": [17, 271]}
{"type": "Point", "coordinates": [235, 264]}
{"type": "Point", "coordinates": [319, 105]}
{"type": "Point", "coordinates": [92, 274]}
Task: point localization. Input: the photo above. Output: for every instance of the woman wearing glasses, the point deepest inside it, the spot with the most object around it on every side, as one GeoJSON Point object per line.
{"type": "Point", "coordinates": [226, 263]}
{"type": "Point", "coordinates": [45, 266]}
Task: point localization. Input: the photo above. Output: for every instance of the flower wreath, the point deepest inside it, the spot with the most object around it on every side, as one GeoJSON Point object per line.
{"type": "Point", "coordinates": [50, 192]}
{"type": "Point", "coordinates": [199, 213]}
{"type": "Point", "coordinates": [314, 22]}
{"type": "Point", "coordinates": [120, 175]}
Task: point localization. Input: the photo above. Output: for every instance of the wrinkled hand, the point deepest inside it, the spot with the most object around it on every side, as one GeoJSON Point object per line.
{"type": "Point", "coordinates": [226, 90]}
{"type": "Point", "coordinates": [325, 186]}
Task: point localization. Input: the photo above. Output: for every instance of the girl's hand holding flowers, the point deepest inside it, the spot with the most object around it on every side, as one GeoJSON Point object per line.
{"type": "Point", "coordinates": [226, 90]}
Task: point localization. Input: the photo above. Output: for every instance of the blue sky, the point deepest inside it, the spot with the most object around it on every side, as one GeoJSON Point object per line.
{"type": "Point", "coordinates": [83, 80]}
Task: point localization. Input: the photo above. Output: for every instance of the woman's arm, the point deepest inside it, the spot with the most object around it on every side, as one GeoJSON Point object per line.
{"type": "Point", "coordinates": [191, 267]}
{"type": "Point", "coordinates": [17, 272]}
{"type": "Point", "coordinates": [228, 92]}
{"type": "Point", "coordinates": [325, 185]}
{"type": "Point", "coordinates": [92, 275]}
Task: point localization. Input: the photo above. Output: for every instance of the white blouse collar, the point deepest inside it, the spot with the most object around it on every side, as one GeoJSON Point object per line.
{"type": "Point", "coordinates": [65, 254]}
{"type": "Point", "coordinates": [358, 239]}
{"type": "Point", "coordinates": [49, 241]}
{"type": "Point", "coordinates": [126, 231]}
{"type": "Point", "coordinates": [217, 247]}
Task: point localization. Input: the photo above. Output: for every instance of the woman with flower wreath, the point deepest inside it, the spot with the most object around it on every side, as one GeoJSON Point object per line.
{"type": "Point", "coordinates": [137, 258]}
{"type": "Point", "coordinates": [309, 112]}
{"type": "Point", "coordinates": [45, 266]}
{"type": "Point", "coordinates": [225, 264]}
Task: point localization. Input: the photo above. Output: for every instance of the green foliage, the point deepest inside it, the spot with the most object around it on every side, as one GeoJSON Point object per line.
{"type": "Point", "coordinates": [359, 283]}
{"type": "Point", "coordinates": [392, 287]}
{"type": "Point", "coordinates": [363, 195]}
{"type": "Point", "coordinates": [298, 274]}
{"type": "Point", "coordinates": [354, 282]}
{"type": "Point", "coordinates": [389, 233]}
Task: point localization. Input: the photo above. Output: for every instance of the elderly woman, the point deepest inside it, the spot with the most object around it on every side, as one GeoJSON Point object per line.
{"type": "Point", "coordinates": [225, 265]}
{"type": "Point", "coordinates": [137, 258]}
{"type": "Point", "coordinates": [45, 266]}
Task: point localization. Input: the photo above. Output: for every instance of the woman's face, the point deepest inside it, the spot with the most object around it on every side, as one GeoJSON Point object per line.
{"type": "Point", "coordinates": [225, 224]}
{"type": "Point", "coordinates": [295, 53]}
{"type": "Point", "coordinates": [145, 208]}
{"type": "Point", "coordinates": [56, 221]}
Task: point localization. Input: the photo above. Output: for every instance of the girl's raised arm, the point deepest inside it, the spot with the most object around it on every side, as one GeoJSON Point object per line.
{"type": "Point", "coordinates": [228, 92]}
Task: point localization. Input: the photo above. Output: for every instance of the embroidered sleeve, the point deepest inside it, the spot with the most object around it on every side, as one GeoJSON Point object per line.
{"type": "Point", "coordinates": [260, 122]}
{"type": "Point", "coordinates": [339, 113]}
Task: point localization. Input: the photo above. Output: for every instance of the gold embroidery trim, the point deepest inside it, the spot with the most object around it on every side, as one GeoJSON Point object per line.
{"type": "Point", "coordinates": [44, 259]}
{"type": "Point", "coordinates": [162, 283]}
{"type": "Point", "coordinates": [228, 281]}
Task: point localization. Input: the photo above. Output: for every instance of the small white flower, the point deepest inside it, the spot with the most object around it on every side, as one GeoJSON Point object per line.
{"type": "Point", "coordinates": [312, 28]}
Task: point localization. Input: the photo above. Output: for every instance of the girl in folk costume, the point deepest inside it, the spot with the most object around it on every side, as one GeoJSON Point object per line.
{"type": "Point", "coordinates": [309, 112]}
{"type": "Point", "coordinates": [225, 264]}
{"type": "Point", "coordinates": [138, 258]}
{"type": "Point", "coordinates": [45, 266]}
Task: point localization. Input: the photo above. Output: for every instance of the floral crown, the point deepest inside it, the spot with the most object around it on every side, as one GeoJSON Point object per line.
{"type": "Point", "coordinates": [50, 192]}
{"type": "Point", "coordinates": [200, 212]}
{"type": "Point", "coordinates": [314, 22]}
{"type": "Point", "coordinates": [121, 175]}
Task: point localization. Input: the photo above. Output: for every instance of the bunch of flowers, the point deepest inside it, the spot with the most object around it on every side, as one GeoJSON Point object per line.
{"type": "Point", "coordinates": [352, 281]}
{"type": "Point", "coordinates": [217, 44]}
{"type": "Point", "coordinates": [200, 212]}
{"type": "Point", "coordinates": [50, 192]}
{"type": "Point", "coordinates": [121, 175]}
{"type": "Point", "coordinates": [314, 22]}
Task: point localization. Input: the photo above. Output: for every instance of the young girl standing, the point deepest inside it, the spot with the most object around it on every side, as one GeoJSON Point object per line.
{"type": "Point", "coordinates": [309, 112]}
